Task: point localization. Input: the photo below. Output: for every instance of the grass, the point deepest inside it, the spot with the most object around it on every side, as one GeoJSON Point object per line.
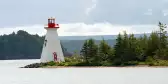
{"type": "Point", "coordinates": [153, 63]}
{"type": "Point", "coordinates": [77, 62]}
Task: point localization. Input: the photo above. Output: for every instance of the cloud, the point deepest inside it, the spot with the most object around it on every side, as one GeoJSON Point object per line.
{"type": "Point", "coordinates": [82, 29]}
{"type": "Point", "coordinates": [93, 6]}
{"type": "Point", "coordinates": [125, 12]}
{"type": "Point", "coordinates": [149, 12]}
{"type": "Point", "coordinates": [165, 12]}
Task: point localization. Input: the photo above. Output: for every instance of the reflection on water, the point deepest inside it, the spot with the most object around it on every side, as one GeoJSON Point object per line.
{"type": "Point", "coordinates": [16, 63]}
{"type": "Point", "coordinates": [11, 74]}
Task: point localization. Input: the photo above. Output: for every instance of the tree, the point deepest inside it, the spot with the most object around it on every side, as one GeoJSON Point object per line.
{"type": "Point", "coordinates": [118, 46]}
{"type": "Point", "coordinates": [126, 48]}
{"type": "Point", "coordinates": [84, 51]}
{"type": "Point", "coordinates": [142, 47]}
{"type": "Point", "coordinates": [118, 50]}
{"type": "Point", "coordinates": [92, 51]}
{"type": "Point", "coordinates": [162, 36]}
{"type": "Point", "coordinates": [162, 49]}
{"type": "Point", "coordinates": [153, 44]}
{"type": "Point", "coordinates": [104, 51]}
{"type": "Point", "coordinates": [133, 49]}
{"type": "Point", "coordinates": [89, 51]}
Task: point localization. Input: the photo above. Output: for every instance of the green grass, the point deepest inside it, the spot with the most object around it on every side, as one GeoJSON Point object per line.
{"type": "Point", "coordinates": [73, 61]}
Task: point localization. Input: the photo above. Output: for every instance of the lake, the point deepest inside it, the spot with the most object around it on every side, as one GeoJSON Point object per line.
{"type": "Point", "coordinates": [11, 74]}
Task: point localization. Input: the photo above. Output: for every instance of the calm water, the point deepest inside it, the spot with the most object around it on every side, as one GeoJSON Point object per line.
{"type": "Point", "coordinates": [11, 74]}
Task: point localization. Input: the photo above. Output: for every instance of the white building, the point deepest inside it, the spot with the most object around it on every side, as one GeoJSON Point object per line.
{"type": "Point", "coordinates": [52, 50]}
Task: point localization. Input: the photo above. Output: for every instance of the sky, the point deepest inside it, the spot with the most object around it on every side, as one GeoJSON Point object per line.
{"type": "Point", "coordinates": [83, 17]}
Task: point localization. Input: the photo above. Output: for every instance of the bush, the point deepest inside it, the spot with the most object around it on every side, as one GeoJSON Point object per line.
{"type": "Point", "coordinates": [150, 59]}
{"type": "Point", "coordinates": [117, 62]}
{"type": "Point", "coordinates": [106, 63]}
{"type": "Point", "coordinates": [151, 64]}
{"type": "Point", "coordinates": [160, 63]}
{"type": "Point", "coordinates": [130, 63]}
{"type": "Point", "coordinates": [82, 64]}
{"type": "Point", "coordinates": [52, 63]}
{"type": "Point", "coordinates": [87, 64]}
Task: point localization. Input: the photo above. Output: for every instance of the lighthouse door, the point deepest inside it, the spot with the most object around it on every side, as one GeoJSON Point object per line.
{"type": "Point", "coordinates": [55, 56]}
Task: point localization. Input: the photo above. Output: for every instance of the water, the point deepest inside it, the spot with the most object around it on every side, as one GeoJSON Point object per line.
{"type": "Point", "coordinates": [11, 74]}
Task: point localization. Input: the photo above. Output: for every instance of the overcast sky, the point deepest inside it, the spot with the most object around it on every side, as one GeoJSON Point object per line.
{"type": "Point", "coordinates": [85, 15]}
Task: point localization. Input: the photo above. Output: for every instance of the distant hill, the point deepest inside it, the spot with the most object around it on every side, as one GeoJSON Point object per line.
{"type": "Point", "coordinates": [76, 45]}
{"type": "Point", "coordinates": [96, 37]}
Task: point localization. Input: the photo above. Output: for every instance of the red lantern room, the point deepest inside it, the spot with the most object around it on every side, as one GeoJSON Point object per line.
{"type": "Point", "coordinates": [51, 23]}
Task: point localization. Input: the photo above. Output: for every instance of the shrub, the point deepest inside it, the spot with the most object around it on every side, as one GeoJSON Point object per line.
{"type": "Point", "coordinates": [106, 63]}
{"type": "Point", "coordinates": [117, 62]}
{"type": "Point", "coordinates": [52, 63]}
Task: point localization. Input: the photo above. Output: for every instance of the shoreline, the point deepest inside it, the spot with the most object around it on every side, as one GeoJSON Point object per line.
{"type": "Point", "coordinates": [53, 65]}
{"type": "Point", "coordinates": [137, 66]}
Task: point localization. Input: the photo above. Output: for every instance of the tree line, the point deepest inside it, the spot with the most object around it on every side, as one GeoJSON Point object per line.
{"type": "Point", "coordinates": [128, 49]}
{"type": "Point", "coordinates": [22, 45]}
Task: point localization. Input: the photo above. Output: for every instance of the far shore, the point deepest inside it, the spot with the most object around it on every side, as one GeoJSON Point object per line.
{"type": "Point", "coordinates": [137, 66]}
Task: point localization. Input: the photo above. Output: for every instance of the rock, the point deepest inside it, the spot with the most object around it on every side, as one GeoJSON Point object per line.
{"type": "Point", "coordinates": [34, 65]}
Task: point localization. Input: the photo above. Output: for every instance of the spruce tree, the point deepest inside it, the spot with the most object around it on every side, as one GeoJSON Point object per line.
{"type": "Point", "coordinates": [126, 50]}
{"type": "Point", "coordinates": [84, 51]}
{"type": "Point", "coordinates": [118, 50]}
{"type": "Point", "coordinates": [142, 47]}
{"type": "Point", "coordinates": [119, 45]}
{"type": "Point", "coordinates": [153, 44]}
{"type": "Point", "coordinates": [161, 53]}
{"type": "Point", "coordinates": [92, 51]}
{"type": "Point", "coordinates": [133, 49]}
{"type": "Point", "coordinates": [104, 51]}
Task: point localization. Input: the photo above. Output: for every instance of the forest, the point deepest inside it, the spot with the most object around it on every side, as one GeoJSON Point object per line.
{"type": "Point", "coordinates": [128, 50]}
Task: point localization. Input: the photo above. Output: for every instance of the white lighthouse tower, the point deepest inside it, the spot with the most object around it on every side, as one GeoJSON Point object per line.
{"type": "Point", "coordinates": [52, 50]}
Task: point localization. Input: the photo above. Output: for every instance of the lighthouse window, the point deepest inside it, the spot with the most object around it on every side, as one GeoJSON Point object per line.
{"type": "Point", "coordinates": [45, 42]}
{"type": "Point", "coordinates": [52, 21]}
{"type": "Point", "coordinates": [49, 21]}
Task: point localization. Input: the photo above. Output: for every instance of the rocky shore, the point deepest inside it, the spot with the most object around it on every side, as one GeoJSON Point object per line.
{"type": "Point", "coordinates": [35, 65]}
{"type": "Point", "coordinates": [46, 65]}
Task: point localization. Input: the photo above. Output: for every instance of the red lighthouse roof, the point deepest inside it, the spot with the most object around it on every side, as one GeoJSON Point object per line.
{"type": "Point", "coordinates": [51, 23]}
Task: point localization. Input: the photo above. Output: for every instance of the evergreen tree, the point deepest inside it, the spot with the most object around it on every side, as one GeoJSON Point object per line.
{"type": "Point", "coordinates": [119, 45]}
{"type": "Point", "coordinates": [161, 53]}
{"type": "Point", "coordinates": [162, 35]}
{"type": "Point", "coordinates": [84, 51]}
{"type": "Point", "coordinates": [153, 44]}
{"type": "Point", "coordinates": [133, 49]}
{"type": "Point", "coordinates": [126, 50]}
{"type": "Point", "coordinates": [142, 47]}
{"type": "Point", "coordinates": [92, 51]}
{"type": "Point", "coordinates": [118, 50]}
{"type": "Point", "coordinates": [104, 51]}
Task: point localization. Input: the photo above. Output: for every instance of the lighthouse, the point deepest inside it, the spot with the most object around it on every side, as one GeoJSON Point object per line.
{"type": "Point", "coordinates": [52, 50]}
